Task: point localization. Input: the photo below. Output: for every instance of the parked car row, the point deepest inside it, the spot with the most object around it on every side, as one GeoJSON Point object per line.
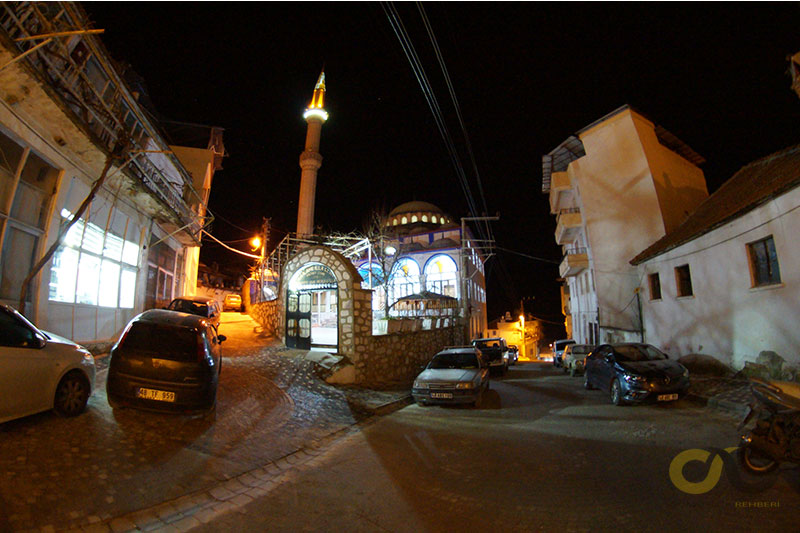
{"type": "Point", "coordinates": [629, 372]}
{"type": "Point", "coordinates": [166, 359]}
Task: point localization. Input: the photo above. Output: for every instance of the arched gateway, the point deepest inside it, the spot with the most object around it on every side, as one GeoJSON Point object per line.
{"type": "Point", "coordinates": [322, 297]}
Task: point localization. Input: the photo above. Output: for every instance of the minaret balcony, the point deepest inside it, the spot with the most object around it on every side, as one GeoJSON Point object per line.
{"type": "Point", "coordinates": [569, 225]}
{"type": "Point", "coordinates": [561, 192]}
{"type": "Point", "coordinates": [575, 261]}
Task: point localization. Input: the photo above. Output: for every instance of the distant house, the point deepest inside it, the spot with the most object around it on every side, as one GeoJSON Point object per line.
{"type": "Point", "coordinates": [615, 187]}
{"type": "Point", "coordinates": [726, 282]}
{"type": "Point", "coordinates": [68, 113]}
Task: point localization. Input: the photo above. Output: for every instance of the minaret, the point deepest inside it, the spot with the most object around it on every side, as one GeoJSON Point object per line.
{"type": "Point", "coordinates": [310, 159]}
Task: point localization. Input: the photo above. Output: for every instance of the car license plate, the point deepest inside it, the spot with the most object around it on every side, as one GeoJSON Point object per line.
{"type": "Point", "coordinates": [444, 395]}
{"type": "Point", "coordinates": [158, 395]}
{"type": "Point", "coordinates": [667, 397]}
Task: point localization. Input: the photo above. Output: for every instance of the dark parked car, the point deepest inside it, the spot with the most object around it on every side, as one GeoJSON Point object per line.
{"type": "Point", "coordinates": [166, 361]}
{"type": "Point", "coordinates": [495, 352]}
{"type": "Point", "coordinates": [454, 375]}
{"type": "Point", "coordinates": [635, 372]}
{"type": "Point", "coordinates": [198, 305]}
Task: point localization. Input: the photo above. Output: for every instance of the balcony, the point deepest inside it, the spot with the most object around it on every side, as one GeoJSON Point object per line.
{"type": "Point", "coordinates": [560, 191]}
{"type": "Point", "coordinates": [574, 262]}
{"type": "Point", "coordinates": [569, 225]}
{"type": "Point", "coordinates": [53, 40]}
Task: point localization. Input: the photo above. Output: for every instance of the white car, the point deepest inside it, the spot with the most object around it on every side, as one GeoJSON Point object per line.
{"type": "Point", "coordinates": [40, 370]}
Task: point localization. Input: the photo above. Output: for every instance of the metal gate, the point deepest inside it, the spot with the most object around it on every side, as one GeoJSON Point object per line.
{"type": "Point", "coordinates": [298, 320]}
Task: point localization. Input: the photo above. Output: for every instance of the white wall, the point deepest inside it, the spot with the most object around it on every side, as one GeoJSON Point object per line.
{"type": "Point", "coordinates": [726, 317]}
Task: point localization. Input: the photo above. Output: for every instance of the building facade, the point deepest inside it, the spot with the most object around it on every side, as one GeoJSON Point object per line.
{"type": "Point", "coordinates": [75, 140]}
{"type": "Point", "coordinates": [725, 282]}
{"type": "Point", "coordinates": [431, 257]}
{"type": "Point", "coordinates": [615, 187]}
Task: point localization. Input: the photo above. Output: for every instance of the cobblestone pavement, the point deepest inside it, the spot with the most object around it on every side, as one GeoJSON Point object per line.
{"type": "Point", "coordinates": [86, 471]}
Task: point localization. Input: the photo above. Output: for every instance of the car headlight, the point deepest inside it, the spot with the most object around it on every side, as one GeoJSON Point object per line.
{"type": "Point", "coordinates": [420, 384]}
{"type": "Point", "coordinates": [465, 385]}
{"type": "Point", "coordinates": [633, 378]}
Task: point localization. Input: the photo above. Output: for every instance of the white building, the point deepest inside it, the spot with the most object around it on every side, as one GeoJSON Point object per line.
{"type": "Point", "coordinates": [616, 186]}
{"type": "Point", "coordinates": [725, 282]}
{"type": "Point", "coordinates": [66, 113]}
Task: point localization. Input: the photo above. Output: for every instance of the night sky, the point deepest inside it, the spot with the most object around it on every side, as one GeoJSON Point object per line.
{"type": "Point", "coordinates": [526, 76]}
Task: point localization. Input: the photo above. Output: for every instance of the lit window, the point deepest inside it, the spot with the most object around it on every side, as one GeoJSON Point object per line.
{"type": "Point", "coordinates": [764, 262]}
{"type": "Point", "coordinates": [404, 220]}
{"type": "Point", "coordinates": [683, 279]}
{"type": "Point", "coordinates": [394, 222]}
{"type": "Point", "coordinates": [424, 218]}
{"type": "Point", "coordinates": [414, 218]}
{"type": "Point", "coordinates": [655, 286]}
{"type": "Point", "coordinates": [434, 219]}
{"type": "Point", "coordinates": [441, 275]}
{"type": "Point", "coordinates": [91, 267]}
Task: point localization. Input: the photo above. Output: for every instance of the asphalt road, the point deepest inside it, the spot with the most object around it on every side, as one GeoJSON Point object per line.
{"type": "Point", "coordinates": [542, 455]}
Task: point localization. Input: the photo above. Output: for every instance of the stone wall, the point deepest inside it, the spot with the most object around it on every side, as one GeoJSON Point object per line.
{"type": "Point", "coordinates": [397, 357]}
{"type": "Point", "coordinates": [267, 314]}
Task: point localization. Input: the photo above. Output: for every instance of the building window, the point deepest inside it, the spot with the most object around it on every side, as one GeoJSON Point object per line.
{"type": "Point", "coordinates": [441, 275]}
{"type": "Point", "coordinates": [404, 279]}
{"type": "Point", "coordinates": [655, 286]}
{"type": "Point", "coordinates": [404, 220]}
{"type": "Point", "coordinates": [414, 218]}
{"type": "Point", "coordinates": [27, 186]}
{"type": "Point", "coordinates": [683, 279]}
{"type": "Point", "coordinates": [764, 262]}
{"type": "Point", "coordinates": [94, 267]}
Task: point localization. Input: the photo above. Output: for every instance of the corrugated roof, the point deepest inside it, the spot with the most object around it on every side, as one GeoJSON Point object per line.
{"type": "Point", "coordinates": [750, 187]}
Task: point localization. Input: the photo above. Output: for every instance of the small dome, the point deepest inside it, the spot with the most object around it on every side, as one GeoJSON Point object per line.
{"type": "Point", "coordinates": [415, 207]}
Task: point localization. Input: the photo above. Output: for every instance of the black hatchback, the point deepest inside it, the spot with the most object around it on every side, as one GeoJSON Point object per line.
{"type": "Point", "coordinates": [166, 361]}
{"type": "Point", "coordinates": [635, 372]}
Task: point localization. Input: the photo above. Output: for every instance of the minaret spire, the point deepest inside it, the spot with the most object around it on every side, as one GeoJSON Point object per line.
{"type": "Point", "coordinates": [311, 159]}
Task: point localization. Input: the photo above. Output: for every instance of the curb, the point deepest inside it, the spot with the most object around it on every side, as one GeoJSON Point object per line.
{"type": "Point", "coordinates": [719, 404]}
{"type": "Point", "coordinates": [388, 407]}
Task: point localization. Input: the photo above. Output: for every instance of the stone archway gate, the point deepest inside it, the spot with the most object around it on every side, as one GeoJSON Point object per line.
{"type": "Point", "coordinates": [355, 303]}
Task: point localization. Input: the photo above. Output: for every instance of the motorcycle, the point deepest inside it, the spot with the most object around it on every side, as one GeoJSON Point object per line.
{"type": "Point", "coordinates": [775, 438]}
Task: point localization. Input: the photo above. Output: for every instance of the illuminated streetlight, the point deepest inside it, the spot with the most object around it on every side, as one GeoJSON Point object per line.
{"type": "Point", "coordinates": [255, 242]}
{"type": "Point", "coordinates": [390, 250]}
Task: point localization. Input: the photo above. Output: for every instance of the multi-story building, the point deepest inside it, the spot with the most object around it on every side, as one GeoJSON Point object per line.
{"type": "Point", "coordinates": [77, 147]}
{"type": "Point", "coordinates": [617, 186]}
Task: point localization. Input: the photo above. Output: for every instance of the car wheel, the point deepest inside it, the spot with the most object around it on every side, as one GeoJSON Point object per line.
{"type": "Point", "coordinates": [754, 461]}
{"type": "Point", "coordinates": [478, 401]}
{"type": "Point", "coordinates": [616, 392]}
{"type": "Point", "coordinates": [72, 394]}
{"type": "Point", "coordinates": [586, 383]}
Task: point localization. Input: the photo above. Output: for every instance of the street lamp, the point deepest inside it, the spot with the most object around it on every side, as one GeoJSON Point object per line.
{"type": "Point", "coordinates": [522, 335]}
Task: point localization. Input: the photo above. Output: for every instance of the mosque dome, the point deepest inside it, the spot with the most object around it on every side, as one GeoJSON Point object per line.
{"type": "Point", "coordinates": [417, 212]}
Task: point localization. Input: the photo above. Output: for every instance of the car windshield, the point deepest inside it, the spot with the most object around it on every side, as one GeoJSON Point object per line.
{"type": "Point", "coordinates": [454, 360]}
{"type": "Point", "coordinates": [188, 306]}
{"type": "Point", "coordinates": [179, 344]}
{"type": "Point", "coordinates": [638, 352]}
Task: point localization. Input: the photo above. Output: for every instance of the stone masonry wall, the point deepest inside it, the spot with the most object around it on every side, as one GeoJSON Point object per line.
{"type": "Point", "coordinates": [267, 314]}
{"type": "Point", "coordinates": [396, 357]}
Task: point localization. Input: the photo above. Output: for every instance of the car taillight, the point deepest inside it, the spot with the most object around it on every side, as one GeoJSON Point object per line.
{"type": "Point", "coordinates": [201, 350]}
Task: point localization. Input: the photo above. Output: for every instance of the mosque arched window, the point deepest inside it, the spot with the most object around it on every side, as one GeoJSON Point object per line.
{"type": "Point", "coordinates": [433, 219]}
{"type": "Point", "coordinates": [404, 279]}
{"type": "Point", "coordinates": [377, 275]}
{"type": "Point", "coordinates": [441, 275]}
{"type": "Point", "coordinates": [414, 218]}
{"type": "Point", "coordinates": [424, 218]}
{"type": "Point", "coordinates": [404, 220]}
{"type": "Point", "coordinates": [394, 222]}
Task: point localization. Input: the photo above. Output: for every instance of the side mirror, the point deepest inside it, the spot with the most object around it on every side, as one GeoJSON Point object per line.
{"type": "Point", "coordinates": [221, 338]}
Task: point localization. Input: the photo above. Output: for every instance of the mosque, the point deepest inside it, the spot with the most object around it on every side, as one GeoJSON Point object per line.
{"type": "Point", "coordinates": [425, 276]}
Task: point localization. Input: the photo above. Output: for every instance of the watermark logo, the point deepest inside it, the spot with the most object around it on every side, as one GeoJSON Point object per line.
{"type": "Point", "coordinates": [695, 454]}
